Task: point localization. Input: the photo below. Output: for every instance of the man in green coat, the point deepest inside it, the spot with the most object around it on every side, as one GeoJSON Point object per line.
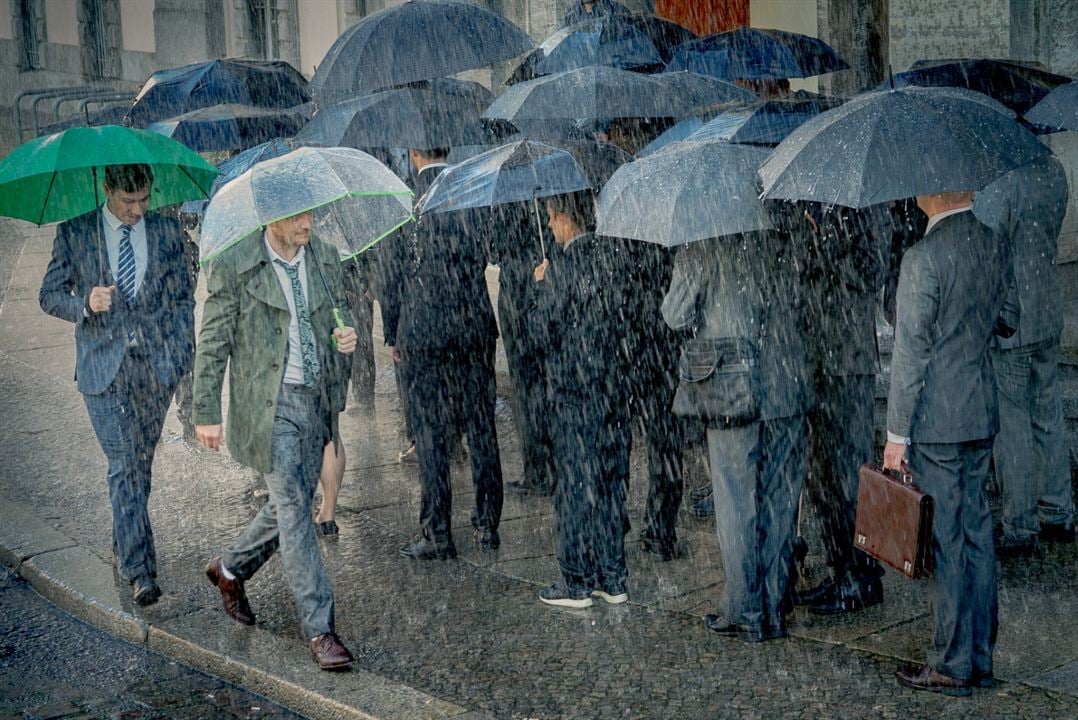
{"type": "Point", "coordinates": [269, 318]}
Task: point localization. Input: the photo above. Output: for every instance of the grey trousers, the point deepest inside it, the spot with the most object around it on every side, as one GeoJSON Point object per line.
{"type": "Point", "coordinates": [1032, 467]}
{"type": "Point", "coordinates": [757, 472]}
{"type": "Point", "coordinates": [299, 436]}
{"type": "Point", "coordinates": [963, 590]}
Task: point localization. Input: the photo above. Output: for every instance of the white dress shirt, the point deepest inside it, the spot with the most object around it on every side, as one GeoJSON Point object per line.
{"type": "Point", "coordinates": [293, 372]}
{"type": "Point", "coordinates": [113, 235]}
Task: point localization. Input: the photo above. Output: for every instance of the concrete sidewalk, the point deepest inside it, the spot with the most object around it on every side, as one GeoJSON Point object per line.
{"type": "Point", "coordinates": [463, 639]}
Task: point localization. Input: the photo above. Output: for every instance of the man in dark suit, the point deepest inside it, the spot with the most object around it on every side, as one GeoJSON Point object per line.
{"type": "Point", "coordinates": [119, 275]}
{"type": "Point", "coordinates": [439, 323]}
{"type": "Point", "coordinates": [941, 417]}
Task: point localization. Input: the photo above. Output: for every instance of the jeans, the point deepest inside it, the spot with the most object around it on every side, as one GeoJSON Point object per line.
{"type": "Point", "coordinates": [127, 419]}
{"type": "Point", "coordinates": [300, 429]}
{"type": "Point", "coordinates": [757, 472]}
{"type": "Point", "coordinates": [963, 589]}
{"type": "Point", "coordinates": [1032, 466]}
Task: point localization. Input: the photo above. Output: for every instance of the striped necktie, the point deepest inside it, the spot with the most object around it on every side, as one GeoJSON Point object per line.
{"type": "Point", "coordinates": [125, 266]}
{"type": "Point", "coordinates": [303, 319]}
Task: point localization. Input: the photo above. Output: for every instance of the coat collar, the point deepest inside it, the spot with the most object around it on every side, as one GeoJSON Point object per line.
{"type": "Point", "coordinates": [250, 253]}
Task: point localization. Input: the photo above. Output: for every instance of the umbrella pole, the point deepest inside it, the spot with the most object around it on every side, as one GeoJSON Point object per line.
{"type": "Point", "coordinates": [337, 319]}
{"type": "Point", "coordinates": [539, 227]}
{"type": "Point", "coordinates": [102, 260]}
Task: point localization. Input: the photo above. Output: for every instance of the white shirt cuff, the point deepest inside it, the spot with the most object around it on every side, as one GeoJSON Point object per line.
{"type": "Point", "coordinates": [892, 438]}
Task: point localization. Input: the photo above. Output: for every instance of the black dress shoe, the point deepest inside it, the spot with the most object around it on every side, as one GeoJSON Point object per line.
{"type": "Point", "coordinates": [815, 594]}
{"type": "Point", "coordinates": [1057, 533]}
{"type": "Point", "coordinates": [927, 679]}
{"type": "Point", "coordinates": [744, 633]}
{"type": "Point", "coordinates": [488, 539]}
{"type": "Point", "coordinates": [848, 596]}
{"type": "Point", "coordinates": [983, 680]}
{"type": "Point", "coordinates": [144, 591]}
{"type": "Point", "coordinates": [423, 548]}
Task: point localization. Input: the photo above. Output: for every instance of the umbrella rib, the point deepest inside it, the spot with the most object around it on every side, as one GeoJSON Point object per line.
{"type": "Point", "coordinates": [48, 194]}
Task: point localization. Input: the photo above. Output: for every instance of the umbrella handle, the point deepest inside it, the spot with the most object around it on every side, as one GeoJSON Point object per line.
{"type": "Point", "coordinates": [338, 320]}
{"type": "Point", "coordinates": [539, 226]}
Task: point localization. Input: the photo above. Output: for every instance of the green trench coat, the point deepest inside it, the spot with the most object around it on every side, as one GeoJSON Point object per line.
{"type": "Point", "coordinates": [245, 325]}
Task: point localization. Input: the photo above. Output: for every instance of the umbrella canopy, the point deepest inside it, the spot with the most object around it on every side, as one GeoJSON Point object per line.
{"type": "Point", "coordinates": [1018, 85]}
{"type": "Point", "coordinates": [431, 114]}
{"type": "Point", "coordinates": [230, 127]}
{"type": "Point", "coordinates": [757, 54]}
{"type": "Point", "coordinates": [58, 177]}
{"type": "Point", "coordinates": [417, 40]}
{"type": "Point", "coordinates": [681, 130]}
{"type": "Point", "coordinates": [605, 93]}
{"type": "Point", "coordinates": [1058, 110]}
{"type": "Point", "coordinates": [175, 91]}
{"type": "Point", "coordinates": [623, 41]}
{"type": "Point", "coordinates": [235, 166]}
{"type": "Point", "coordinates": [894, 144]}
{"type": "Point", "coordinates": [767, 122]}
{"type": "Point", "coordinates": [363, 201]}
{"type": "Point", "coordinates": [518, 172]}
{"type": "Point", "coordinates": [688, 192]}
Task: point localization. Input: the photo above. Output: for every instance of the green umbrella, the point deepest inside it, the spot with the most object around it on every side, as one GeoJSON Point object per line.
{"type": "Point", "coordinates": [60, 176]}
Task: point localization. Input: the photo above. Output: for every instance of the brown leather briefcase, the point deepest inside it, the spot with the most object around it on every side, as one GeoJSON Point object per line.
{"type": "Point", "coordinates": [894, 521]}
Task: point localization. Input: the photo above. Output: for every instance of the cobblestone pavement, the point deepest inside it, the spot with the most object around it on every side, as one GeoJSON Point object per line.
{"type": "Point", "coordinates": [53, 666]}
{"type": "Point", "coordinates": [471, 632]}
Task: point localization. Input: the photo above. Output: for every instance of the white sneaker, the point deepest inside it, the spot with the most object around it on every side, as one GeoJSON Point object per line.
{"type": "Point", "coordinates": [616, 598]}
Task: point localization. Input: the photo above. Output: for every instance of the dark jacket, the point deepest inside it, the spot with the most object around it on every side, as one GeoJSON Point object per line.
{"type": "Point", "coordinates": [161, 318]}
{"type": "Point", "coordinates": [435, 290]}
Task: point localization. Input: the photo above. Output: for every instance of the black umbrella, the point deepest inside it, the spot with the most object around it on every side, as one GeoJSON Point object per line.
{"type": "Point", "coordinates": [230, 127]}
{"type": "Point", "coordinates": [757, 54]}
{"type": "Point", "coordinates": [604, 93]}
{"type": "Point", "coordinates": [1058, 110]}
{"type": "Point", "coordinates": [261, 83]}
{"type": "Point", "coordinates": [1018, 85]}
{"type": "Point", "coordinates": [767, 122]}
{"type": "Point", "coordinates": [418, 40]}
{"type": "Point", "coordinates": [893, 144]}
{"type": "Point", "coordinates": [429, 114]}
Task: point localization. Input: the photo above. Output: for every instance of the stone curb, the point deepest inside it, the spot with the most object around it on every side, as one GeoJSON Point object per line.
{"type": "Point", "coordinates": [84, 585]}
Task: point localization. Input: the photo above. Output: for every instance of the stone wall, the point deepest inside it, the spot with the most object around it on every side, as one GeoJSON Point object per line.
{"type": "Point", "coordinates": [933, 29]}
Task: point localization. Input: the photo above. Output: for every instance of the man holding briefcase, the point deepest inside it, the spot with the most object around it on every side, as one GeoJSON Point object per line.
{"type": "Point", "coordinates": [941, 418]}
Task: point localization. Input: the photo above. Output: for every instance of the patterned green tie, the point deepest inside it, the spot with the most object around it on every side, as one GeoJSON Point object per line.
{"type": "Point", "coordinates": [306, 333]}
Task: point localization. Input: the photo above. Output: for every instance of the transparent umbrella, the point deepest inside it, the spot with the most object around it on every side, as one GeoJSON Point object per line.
{"type": "Point", "coordinates": [357, 200]}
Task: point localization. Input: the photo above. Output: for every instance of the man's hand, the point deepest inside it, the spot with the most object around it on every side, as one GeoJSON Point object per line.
{"type": "Point", "coordinates": [540, 270]}
{"type": "Point", "coordinates": [101, 298]}
{"type": "Point", "coordinates": [894, 457]}
{"type": "Point", "coordinates": [209, 435]}
{"type": "Point", "coordinates": [395, 354]}
{"type": "Point", "coordinates": [346, 339]}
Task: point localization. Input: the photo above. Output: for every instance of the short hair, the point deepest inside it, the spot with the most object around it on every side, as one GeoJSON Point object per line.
{"type": "Point", "coordinates": [128, 178]}
{"type": "Point", "coordinates": [579, 206]}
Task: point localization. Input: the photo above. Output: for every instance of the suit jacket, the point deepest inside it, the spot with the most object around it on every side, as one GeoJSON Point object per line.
{"type": "Point", "coordinates": [161, 318]}
{"type": "Point", "coordinates": [1027, 207]}
{"type": "Point", "coordinates": [951, 290]}
{"type": "Point", "coordinates": [435, 289]}
{"type": "Point", "coordinates": [748, 287]}
{"type": "Point", "coordinates": [245, 327]}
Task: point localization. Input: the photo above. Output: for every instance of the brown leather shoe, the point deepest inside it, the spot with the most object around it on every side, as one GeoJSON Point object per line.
{"type": "Point", "coordinates": [330, 653]}
{"type": "Point", "coordinates": [925, 678]}
{"type": "Point", "coordinates": [232, 595]}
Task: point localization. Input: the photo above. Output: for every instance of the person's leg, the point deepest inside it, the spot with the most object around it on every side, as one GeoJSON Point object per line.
{"type": "Point", "coordinates": [574, 499]}
{"type": "Point", "coordinates": [608, 522]}
{"type": "Point", "coordinates": [529, 391]}
{"type": "Point", "coordinates": [981, 588]}
{"type": "Point", "coordinates": [426, 383]}
{"type": "Point", "coordinates": [330, 480]}
{"type": "Point", "coordinates": [663, 434]}
{"type": "Point", "coordinates": [362, 310]}
{"type": "Point", "coordinates": [938, 470]}
{"type": "Point", "coordinates": [1015, 459]}
{"type": "Point", "coordinates": [477, 403]}
{"type": "Point", "coordinates": [1055, 492]}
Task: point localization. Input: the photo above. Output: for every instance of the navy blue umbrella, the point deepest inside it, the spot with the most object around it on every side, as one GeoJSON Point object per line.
{"type": "Point", "coordinates": [767, 122]}
{"type": "Point", "coordinates": [757, 54]}
{"type": "Point", "coordinates": [430, 114]}
{"type": "Point", "coordinates": [417, 40]}
{"type": "Point", "coordinates": [230, 127]}
{"type": "Point", "coordinates": [1058, 110]}
{"type": "Point", "coordinates": [1018, 85]}
{"type": "Point", "coordinates": [175, 91]}
{"type": "Point", "coordinates": [239, 164]}
{"type": "Point", "coordinates": [894, 144]}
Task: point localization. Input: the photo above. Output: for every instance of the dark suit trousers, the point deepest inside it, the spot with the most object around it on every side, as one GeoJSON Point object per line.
{"type": "Point", "coordinates": [662, 432]}
{"type": "Point", "coordinates": [446, 390]}
{"type": "Point", "coordinates": [842, 427]}
{"type": "Point", "coordinates": [963, 584]}
{"type": "Point", "coordinates": [363, 358]}
{"type": "Point", "coordinates": [127, 419]}
{"type": "Point", "coordinates": [592, 457]}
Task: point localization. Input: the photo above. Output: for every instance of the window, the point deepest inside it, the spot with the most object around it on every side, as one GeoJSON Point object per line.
{"type": "Point", "coordinates": [29, 46]}
{"type": "Point", "coordinates": [265, 20]}
{"type": "Point", "coordinates": [96, 56]}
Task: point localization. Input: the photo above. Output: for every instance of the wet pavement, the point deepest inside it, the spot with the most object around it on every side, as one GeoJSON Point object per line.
{"type": "Point", "coordinates": [466, 638]}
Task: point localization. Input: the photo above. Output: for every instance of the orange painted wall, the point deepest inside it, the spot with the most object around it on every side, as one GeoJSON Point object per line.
{"type": "Point", "coordinates": [705, 17]}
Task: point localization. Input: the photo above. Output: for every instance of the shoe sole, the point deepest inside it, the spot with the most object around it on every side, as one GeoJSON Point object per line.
{"type": "Point", "coordinates": [949, 692]}
{"type": "Point", "coordinates": [334, 666]}
{"type": "Point", "coordinates": [568, 602]}
{"type": "Point", "coordinates": [617, 599]}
